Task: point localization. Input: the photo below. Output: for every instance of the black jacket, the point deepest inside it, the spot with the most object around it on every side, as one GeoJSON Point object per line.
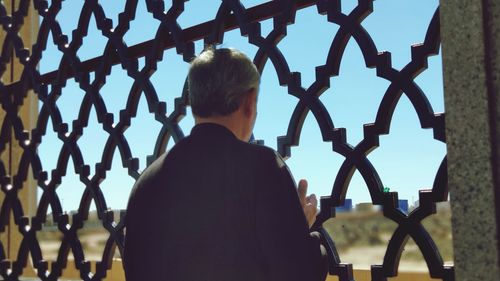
{"type": "Point", "coordinates": [218, 209]}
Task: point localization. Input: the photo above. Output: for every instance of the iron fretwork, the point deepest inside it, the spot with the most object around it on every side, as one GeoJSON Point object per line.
{"type": "Point", "coordinates": [231, 14]}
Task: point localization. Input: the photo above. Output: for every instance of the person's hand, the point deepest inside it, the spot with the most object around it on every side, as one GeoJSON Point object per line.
{"type": "Point", "coordinates": [309, 203]}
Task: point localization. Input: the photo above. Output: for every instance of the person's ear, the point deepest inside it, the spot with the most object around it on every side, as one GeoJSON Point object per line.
{"type": "Point", "coordinates": [250, 103]}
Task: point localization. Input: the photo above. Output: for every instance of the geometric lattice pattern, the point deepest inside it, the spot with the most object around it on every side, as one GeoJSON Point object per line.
{"type": "Point", "coordinates": [231, 14]}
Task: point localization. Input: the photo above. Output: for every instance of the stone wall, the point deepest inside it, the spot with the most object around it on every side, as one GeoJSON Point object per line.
{"type": "Point", "coordinates": [470, 33]}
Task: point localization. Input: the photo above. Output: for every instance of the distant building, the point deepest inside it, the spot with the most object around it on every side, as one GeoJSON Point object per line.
{"type": "Point", "coordinates": [403, 205]}
{"type": "Point", "coordinates": [347, 207]}
{"type": "Point", "coordinates": [416, 204]}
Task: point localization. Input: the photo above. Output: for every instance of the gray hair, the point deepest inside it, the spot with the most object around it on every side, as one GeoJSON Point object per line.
{"type": "Point", "coordinates": [218, 81]}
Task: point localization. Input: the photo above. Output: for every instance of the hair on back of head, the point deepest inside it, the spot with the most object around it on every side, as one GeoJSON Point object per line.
{"type": "Point", "coordinates": [219, 79]}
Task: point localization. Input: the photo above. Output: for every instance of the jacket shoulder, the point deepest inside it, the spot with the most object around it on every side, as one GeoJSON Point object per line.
{"type": "Point", "coordinates": [263, 153]}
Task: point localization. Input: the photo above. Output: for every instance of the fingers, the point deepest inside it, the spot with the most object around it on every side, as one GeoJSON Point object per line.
{"type": "Point", "coordinates": [310, 212]}
{"type": "Point", "coordinates": [302, 191]}
{"type": "Point", "coordinates": [311, 199]}
{"type": "Point", "coordinates": [312, 203]}
{"type": "Point", "coordinates": [309, 203]}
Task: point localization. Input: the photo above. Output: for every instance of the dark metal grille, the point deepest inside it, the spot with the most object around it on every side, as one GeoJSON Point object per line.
{"type": "Point", "coordinates": [231, 15]}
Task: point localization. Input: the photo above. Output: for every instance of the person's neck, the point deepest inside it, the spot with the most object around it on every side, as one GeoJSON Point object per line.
{"type": "Point", "coordinates": [230, 122]}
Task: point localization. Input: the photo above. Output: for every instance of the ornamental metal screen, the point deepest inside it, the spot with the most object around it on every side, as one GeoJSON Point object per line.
{"type": "Point", "coordinates": [232, 14]}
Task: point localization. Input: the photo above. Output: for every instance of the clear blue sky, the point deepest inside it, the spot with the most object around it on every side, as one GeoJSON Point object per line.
{"type": "Point", "coordinates": [406, 160]}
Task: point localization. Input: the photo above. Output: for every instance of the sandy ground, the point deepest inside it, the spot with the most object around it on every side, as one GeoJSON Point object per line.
{"type": "Point", "coordinates": [90, 243]}
{"type": "Point", "coordinates": [360, 257]}
{"type": "Point", "coordinates": [365, 257]}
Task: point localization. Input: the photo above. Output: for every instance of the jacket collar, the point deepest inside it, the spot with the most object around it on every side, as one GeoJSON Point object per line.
{"type": "Point", "coordinates": [211, 129]}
